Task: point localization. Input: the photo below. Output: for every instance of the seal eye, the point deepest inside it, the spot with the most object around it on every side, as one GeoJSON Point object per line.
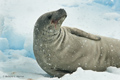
{"type": "Point", "coordinates": [50, 16]}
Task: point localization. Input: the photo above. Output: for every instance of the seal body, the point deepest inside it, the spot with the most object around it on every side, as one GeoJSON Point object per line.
{"type": "Point", "coordinates": [60, 50]}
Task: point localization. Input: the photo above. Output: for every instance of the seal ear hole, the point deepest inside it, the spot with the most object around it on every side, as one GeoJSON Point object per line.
{"type": "Point", "coordinates": [50, 16]}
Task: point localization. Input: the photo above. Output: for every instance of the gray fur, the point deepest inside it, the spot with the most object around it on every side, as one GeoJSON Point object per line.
{"type": "Point", "coordinates": [60, 50]}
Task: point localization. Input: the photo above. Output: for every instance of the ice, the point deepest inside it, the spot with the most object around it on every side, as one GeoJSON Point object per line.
{"type": "Point", "coordinates": [106, 2]}
{"type": "Point", "coordinates": [2, 57]}
{"type": "Point", "coordinates": [114, 4]}
{"type": "Point", "coordinates": [15, 40]}
{"type": "Point", "coordinates": [4, 44]}
{"type": "Point", "coordinates": [112, 16]}
{"type": "Point", "coordinates": [117, 5]}
{"type": "Point", "coordinates": [81, 74]}
{"type": "Point", "coordinates": [28, 46]}
{"type": "Point", "coordinates": [17, 20]}
{"type": "Point", "coordinates": [113, 70]}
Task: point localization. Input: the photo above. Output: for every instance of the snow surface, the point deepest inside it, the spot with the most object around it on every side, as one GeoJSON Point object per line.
{"type": "Point", "coordinates": [17, 18]}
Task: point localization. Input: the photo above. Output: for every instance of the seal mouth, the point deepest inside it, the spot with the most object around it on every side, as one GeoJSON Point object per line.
{"type": "Point", "coordinates": [59, 20]}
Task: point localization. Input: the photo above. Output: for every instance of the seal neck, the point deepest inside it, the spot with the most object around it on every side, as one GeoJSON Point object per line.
{"type": "Point", "coordinates": [49, 36]}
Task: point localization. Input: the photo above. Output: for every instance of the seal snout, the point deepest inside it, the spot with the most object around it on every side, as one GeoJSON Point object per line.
{"type": "Point", "coordinates": [58, 17]}
{"type": "Point", "coordinates": [62, 11]}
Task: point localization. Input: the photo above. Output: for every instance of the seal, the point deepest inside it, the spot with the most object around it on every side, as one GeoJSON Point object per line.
{"type": "Point", "coordinates": [61, 50]}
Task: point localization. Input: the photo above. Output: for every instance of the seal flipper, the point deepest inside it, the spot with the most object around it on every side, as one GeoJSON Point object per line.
{"type": "Point", "coordinates": [81, 33]}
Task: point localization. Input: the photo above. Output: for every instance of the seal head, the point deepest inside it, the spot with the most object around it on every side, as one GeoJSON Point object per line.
{"type": "Point", "coordinates": [51, 21]}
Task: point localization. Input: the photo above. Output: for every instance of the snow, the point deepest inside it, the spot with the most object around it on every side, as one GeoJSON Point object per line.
{"type": "Point", "coordinates": [17, 19]}
{"type": "Point", "coordinates": [4, 44]}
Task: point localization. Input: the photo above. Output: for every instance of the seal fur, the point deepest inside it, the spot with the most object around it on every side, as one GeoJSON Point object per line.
{"type": "Point", "coordinates": [61, 50]}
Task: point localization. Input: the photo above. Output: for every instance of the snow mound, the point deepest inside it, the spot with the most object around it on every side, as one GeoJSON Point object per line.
{"type": "Point", "coordinates": [4, 44]}
{"type": "Point", "coordinates": [112, 16]}
{"type": "Point", "coordinates": [91, 75]}
{"type": "Point", "coordinates": [17, 19]}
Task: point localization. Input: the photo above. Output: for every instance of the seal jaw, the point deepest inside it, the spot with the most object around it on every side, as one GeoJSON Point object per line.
{"type": "Point", "coordinates": [58, 17]}
{"type": "Point", "coordinates": [58, 21]}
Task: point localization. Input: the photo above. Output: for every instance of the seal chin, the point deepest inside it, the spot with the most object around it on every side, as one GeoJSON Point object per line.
{"type": "Point", "coordinates": [59, 21]}
{"type": "Point", "coordinates": [62, 19]}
